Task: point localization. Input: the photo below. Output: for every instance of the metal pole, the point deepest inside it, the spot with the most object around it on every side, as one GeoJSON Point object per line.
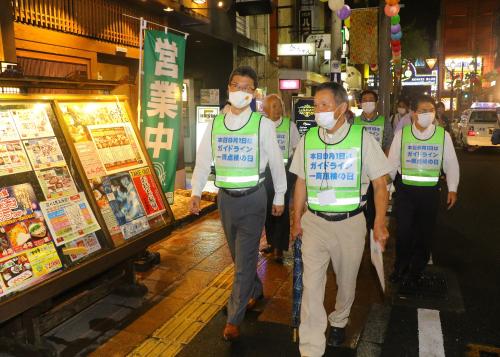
{"type": "Point", "coordinates": [143, 25]}
{"type": "Point", "coordinates": [451, 99]}
{"type": "Point", "coordinates": [384, 57]}
{"type": "Point", "coordinates": [336, 47]}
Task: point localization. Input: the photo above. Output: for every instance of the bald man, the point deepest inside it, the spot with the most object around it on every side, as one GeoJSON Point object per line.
{"type": "Point", "coordinates": [278, 228]}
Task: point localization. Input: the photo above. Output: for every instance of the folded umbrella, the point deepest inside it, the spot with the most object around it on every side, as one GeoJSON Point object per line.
{"type": "Point", "coordinates": [297, 285]}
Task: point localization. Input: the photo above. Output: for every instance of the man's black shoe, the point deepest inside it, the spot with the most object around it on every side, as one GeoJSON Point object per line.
{"type": "Point", "coordinates": [267, 250]}
{"type": "Point", "coordinates": [336, 337]}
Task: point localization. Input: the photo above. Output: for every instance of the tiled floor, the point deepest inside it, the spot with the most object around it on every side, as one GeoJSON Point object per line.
{"type": "Point", "coordinates": [190, 259]}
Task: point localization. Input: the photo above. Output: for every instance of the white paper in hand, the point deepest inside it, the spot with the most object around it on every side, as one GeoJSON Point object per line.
{"type": "Point", "coordinates": [377, 260]}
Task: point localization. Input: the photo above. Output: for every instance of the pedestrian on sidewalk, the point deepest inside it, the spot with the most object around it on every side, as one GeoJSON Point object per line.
{"type": "Point", "coordinates": [334, 164]}
{"type": "Point", "coordinates": [381, 129]}
{"type": "Point", "coordinates": [403, 110]}
{"type": "Point", "coordinates": [418, 155]}
{"type": "Point", "coordinates": [241, 143]}
{"type": "Point", "coordinates": [278, 227]}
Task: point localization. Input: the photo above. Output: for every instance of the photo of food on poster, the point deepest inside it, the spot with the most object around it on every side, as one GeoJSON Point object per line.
{"type": "Point", "coordinates": [27, 268]}
{"type": "Point", "coordinates": [44, 153]}
{"type": "Point", "coordinates": [126, 204]}
{"type": "Point", "coordinates": [32, 123]}
{"type": "Point", "coordinates": [89, 244]}
{"type": "Point", "coordinates": [90, 159]}
{"type": "Point", "coordinates": [8, 130]}
{"type": "Point", "coordinates": [69, 218]}
{"type": "Point", "coordinates": [148, 191]}
{"type": "Point", "coordinates": [56, 182]}
{"type": "Point", "coordinates": [22, 225]}
{"type": "Point", "coordinates": [103, 204]}
{"type": "Point", "coordinates": [117, 146]}
{"type": "Point", "coordinates": [13, 158]}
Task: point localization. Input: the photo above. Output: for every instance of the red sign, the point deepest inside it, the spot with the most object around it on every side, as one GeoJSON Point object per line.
{"type": "Point", "coordinates": [289, 84]}
{"type": "Point", "coordinates": [147, 191]}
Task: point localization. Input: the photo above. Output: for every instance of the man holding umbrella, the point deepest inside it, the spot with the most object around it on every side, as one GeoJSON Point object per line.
{"type": "Point", "coordinates": [334, 164]}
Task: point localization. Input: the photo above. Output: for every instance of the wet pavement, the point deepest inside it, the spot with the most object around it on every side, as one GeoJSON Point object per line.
{"type": "Point", "coordinates": [466, 254]}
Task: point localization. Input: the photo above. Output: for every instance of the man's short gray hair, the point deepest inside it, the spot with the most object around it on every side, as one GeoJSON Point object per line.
{"type": "Point", "coordinates": [339, 92]}
{"type": "Point", "coordinates": [279, 99]}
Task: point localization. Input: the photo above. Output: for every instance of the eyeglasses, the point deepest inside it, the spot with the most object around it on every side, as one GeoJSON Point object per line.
{"type": "Point", "coordinates": [247, 89]}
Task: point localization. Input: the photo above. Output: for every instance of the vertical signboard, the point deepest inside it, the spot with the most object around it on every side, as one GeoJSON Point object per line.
{"type": "Point", "coordinates": [162, 103]}
{"type": "Point", "coordinates": [303, 113]}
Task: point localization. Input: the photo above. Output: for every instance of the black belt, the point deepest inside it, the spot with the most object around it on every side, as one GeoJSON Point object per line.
{"type": "Point", "coordinates": [241, 193]}
{"type": "Point", "coordinates": [337, 217]}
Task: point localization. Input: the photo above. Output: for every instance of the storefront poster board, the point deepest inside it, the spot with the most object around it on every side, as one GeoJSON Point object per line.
{"type": "Point", "coordinates": [205, 114]}
{"type": "Point", "coordinates": [303, 113]}
{"type": "Point", "coordinates": [123, 184]}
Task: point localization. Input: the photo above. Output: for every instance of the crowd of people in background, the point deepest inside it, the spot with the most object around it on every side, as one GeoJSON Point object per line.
{"type": "Point", "coordinates": [340, 174]}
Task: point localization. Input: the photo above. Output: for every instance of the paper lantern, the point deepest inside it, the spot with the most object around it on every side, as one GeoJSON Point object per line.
{"type": "Point", "coordinates": [391, 2]}
{"type": "Point", "coordinates": [396, 55]}
{"type": "Point", "coordinates": [344, 12]}
{"type": "Point", "coordinates": [395, 20]}
{"type": "Point", "coordinates": [347, 22]}
{"type": "Point", "coordinates": [395, 42]}
{"type": "Point", "coordinates": [395, 28]}
{"type": "Point", "coordinates": [391, 10]}
{"type": "Point", "coordinates": [396, 48]}
{"type": "Point", "coordinates": [335, 5]}
{"type": "Point", "coordinates": [396, 36]}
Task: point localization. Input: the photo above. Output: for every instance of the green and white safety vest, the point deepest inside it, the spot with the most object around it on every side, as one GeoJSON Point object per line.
{"type": "Point", "coordinates": [334, 167]}
{"type": "Point", "coordinates": [236, 153]}
{"type": "Point", "coordinates": [375, 127]}
{"type": "Point", "coordinates": [421, 160]}
{"type": "Point", "coordinates": [283, 137]}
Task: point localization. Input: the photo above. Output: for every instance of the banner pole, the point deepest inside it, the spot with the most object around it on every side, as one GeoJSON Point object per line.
{"type": "Point", "coordinates": [143, 25]}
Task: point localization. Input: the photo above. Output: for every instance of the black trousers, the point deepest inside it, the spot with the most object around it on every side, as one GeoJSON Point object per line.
{"type": "Point", "coordinates": [278, 228]}
{"type": "Point", "coordinates": [416, 210]}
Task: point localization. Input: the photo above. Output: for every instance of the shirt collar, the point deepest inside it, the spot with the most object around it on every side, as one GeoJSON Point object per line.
{"type": "Point", "coordinates": [427, 133]}
{"type": "Point", "coordinates": [244, 114]}
{"type": "Point", "coordinates": [368, 120]}
{"type": "Point", "coordinates": [278, 122]}
{"type": "Point", "coordinates": [337, 136]}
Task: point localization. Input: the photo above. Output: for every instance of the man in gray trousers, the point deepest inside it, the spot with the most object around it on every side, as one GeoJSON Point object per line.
{"type": "Point", "coordinates": [241, 143]}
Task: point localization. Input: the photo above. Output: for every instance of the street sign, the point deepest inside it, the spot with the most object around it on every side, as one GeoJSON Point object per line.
{"type": "Point", "coordinates": [296, 49]}
{"type": "Point", "coordinates": [305, 21]}
{"type": "Point", "coordinates": [322, 41]}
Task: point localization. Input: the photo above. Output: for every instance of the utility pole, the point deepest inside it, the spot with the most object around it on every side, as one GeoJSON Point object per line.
{"type": "Point", "coordinates": [384, 57]}
{"type": "Point", "coordinates": [336, 48]}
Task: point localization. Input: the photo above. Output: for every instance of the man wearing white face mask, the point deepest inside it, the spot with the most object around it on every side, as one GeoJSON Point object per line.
{"type": "Point", "coordinates": [376, 124]}
{"type": "Point", "coordinates": [418, 154]}
{"type": "Point", "coordinates": [334, 164]}
{"type": "Point", "coordinates": [241, 143]}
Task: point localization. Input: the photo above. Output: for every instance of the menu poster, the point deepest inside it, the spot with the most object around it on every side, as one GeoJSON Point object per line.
{"type": "Point", "coordinates": [44, 153]}
{"type": "Point", "coordinates": [28, 267]}
{"type": "Point", "coordinates": [117, 146]}
{"type": "Point", "coordinates": [22, 225]}
{"type": "Point", "coordinates": [103, 204]}
{"type": "Point", "coordinates": [8, 130]}
{"type": "Point", "coordinates": [13, 158]}
{"type": "Point", "coordinates": [32, 123]}
{"type": "Point", "coordinates": [69, 218]}
{"type": "Point", "coordinates": [126, 204]}
{"type": "Point", "coordinates": [90, 159]}
{"type": "Point", "coordinates": [89, 243]}
{"type": "Point", "coordinates": [56, 182]}
{"type": "Point", "coordinates": [148, 191]}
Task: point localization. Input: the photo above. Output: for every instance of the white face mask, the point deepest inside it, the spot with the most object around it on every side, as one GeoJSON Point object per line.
{"type": "Point", "coordinates": [368, 107]}
{"type": "Point", "coordinates": [326, 120]}
{"type": "Point", "coordinates": [240, 99]}
{"type": "Point", "coordinates": [402, 111]}
{"type": "Point", "coordinates": [425, 119]}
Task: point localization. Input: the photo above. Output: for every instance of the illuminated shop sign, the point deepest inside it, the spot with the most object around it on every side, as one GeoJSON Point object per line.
{"type": "Point", "coordinates": [289, 84]}
{"type": "Point", "coordinates": [296, 49]}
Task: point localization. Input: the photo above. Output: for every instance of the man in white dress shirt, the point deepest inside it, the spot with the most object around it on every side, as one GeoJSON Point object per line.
{"type": "Point", "coordinates": [241, 144]}
{"type": "Point", "coordinates": [419, 154]}
{"type": "Point", "coordinates": [287, 134]}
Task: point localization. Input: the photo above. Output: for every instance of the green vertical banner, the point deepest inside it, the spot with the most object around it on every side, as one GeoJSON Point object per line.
{"type": "Point", "coordinates": [162, 103]}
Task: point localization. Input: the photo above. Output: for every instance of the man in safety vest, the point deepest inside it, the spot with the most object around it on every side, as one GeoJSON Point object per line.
{"type": "Point", "coordinates": [334, 164]}
{"type": "Point", "coordinates": [418, 154]}
{"type": "Point", "coordinates": [376, 124]}
{"type": "Point", "coordinates": [241, 144]}
{"type": "Point", "coordinates": [278, 227]}
{"type": "Point", "coordinates": [381, 129]}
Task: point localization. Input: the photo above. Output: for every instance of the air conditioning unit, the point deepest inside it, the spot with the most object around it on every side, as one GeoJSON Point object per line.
{"type": "Point", "coordinates": [253, 7]}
